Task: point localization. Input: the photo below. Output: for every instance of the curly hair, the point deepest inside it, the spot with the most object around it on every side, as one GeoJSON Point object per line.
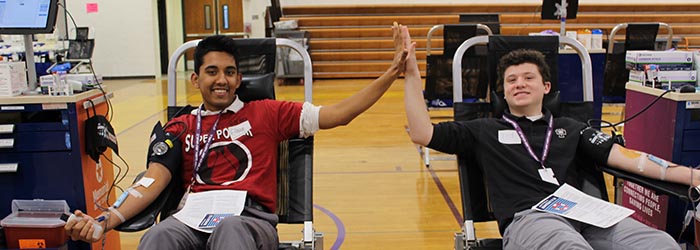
{"type": "Point", "coordinates": [520, 56]}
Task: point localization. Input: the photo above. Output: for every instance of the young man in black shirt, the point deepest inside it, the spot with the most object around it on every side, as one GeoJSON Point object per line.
{"type": "Point", "coordinates": [530, 154]}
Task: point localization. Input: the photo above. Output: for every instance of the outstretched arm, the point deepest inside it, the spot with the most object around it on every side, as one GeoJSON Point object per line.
{"type": "Point", "coordinates": [83, 229]}
{"type": "Point", "coordinates": [652, 167]}
{"type": "Point", "coordinates": [420, 129]}
{"type": "Point", "coordinates": [345, 111]}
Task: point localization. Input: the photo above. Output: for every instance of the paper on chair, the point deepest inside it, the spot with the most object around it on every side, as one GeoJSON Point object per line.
{"type": "Point", "coordinates": [204, 210]}
{"type": "Point", "coordinates": [571, 203]}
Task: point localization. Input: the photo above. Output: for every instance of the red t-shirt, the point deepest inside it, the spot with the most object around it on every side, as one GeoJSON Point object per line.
{"type": "Point", "coordinates": [243, 151]}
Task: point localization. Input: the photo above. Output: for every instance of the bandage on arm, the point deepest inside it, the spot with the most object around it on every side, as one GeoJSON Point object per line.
{"type": "Point", "coordinates": [638, 162]}
{"type": "Point", "coordinates": [308, 120]}
{"type": "Point", "coordinates": [644, 164]}
{"type": "Point", "coordinates": [132, 205]}
{"type": "Point", "coordinates": [663, 165]}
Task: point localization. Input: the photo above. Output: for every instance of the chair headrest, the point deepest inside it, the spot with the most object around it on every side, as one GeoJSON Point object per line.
{"type": "Point", "coordinates": [257, 87]}
{"type": "Point", "coordinates": [256, 55]}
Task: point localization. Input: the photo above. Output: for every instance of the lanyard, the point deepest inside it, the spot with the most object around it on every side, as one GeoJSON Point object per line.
{"type": "Point", "coordinates": [547, 139]}
{"type": "Point", "coordinates": [199, 156]}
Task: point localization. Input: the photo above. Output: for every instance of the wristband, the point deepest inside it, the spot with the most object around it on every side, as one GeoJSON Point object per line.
{"type": "Point", "coordinates": [118, 214]}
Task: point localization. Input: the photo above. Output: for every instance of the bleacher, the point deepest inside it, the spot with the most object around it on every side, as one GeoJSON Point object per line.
{"type": "Point", "coordinates": [353, 41]}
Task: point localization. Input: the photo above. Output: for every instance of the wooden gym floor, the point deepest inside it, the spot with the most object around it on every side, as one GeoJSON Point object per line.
{"type": "Point", "coordinates": [371, 190]}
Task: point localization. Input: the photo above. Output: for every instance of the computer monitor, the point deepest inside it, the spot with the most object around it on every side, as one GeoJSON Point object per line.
{"type": "Point", "coordinates": [479, 18]}
{"type": "Point", "coordinates": [27, 16]}
{"type": "Point", "coordinates": [81, 33]}
{"type": "Point", "coordinates": [550, 9]}
{"type": "Point", "coordinates": [490, 20]}
{"type": "Point", "coordinates": [80, 49]}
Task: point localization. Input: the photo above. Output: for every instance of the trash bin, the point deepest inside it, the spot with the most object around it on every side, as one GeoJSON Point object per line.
{"type": "Point", "coordinates": [35, 224]}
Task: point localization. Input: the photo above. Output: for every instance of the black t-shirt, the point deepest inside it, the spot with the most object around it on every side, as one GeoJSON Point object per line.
{"type": "Point", "coordinates": [512, 176]}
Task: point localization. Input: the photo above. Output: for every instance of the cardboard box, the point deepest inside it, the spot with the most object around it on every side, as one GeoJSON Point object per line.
{"type": "Point", "coordinates": [85, 79]}
{"type": "Point", "coordinates": [676, 79]}
{"type": "Point", "coordinates": [13, 78]}
{"type": "Point", "coordinates": [666, 60]}
{"type": "Point", "coordinates": [659, 57]}
{"type": "Point", "coordinates": [35, 224]}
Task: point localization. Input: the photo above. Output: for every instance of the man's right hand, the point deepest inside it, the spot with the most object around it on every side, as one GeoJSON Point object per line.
{"type": "Point", "coordinates": [82, 227]}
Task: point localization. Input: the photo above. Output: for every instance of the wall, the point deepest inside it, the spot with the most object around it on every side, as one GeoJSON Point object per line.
{"type": "Point", "coordinates": [175, 28]}
{"type": "Point", "coordinates": [125, 35]}
{"type": "Point", "coordinates": [253, 14]}
{"type": "Point", "coordinates": [126, 30]}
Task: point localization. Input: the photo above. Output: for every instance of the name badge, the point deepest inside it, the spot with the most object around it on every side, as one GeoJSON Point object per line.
{"type": "Point", "coordinates": [547, 175]}
{"type": "Point", "coordinates": [239, 130]}
{"type": "Point", "coordinates": [508, 137]}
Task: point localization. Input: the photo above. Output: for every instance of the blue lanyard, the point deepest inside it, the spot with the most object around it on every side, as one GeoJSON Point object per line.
{"type": "Point", "coordinates": [547, 140]}
{"type": "Point", "coordinates": [199, 156]}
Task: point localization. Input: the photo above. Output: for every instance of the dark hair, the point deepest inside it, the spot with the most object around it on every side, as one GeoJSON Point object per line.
{"type": "Point", "coordinates": [520, 56]}
{"type": "Point", "coordinates": [214, 43]}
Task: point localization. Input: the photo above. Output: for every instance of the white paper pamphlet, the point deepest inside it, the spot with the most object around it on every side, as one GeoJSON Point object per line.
{"type": "Point", "coordinates": [204, 210]}
{"type": "Point", "coordinates": [571, 203]}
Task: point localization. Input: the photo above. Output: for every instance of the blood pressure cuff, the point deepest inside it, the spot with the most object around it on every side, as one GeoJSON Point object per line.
{"type": "Point", "coordinates": [165, 149]}
{"type": "Point", "coordinates": [596, 144]}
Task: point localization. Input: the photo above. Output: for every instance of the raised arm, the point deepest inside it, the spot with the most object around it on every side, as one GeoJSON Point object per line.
{"type": "Point", "coordinates": [653, 167]}
{"type": "Point", "coordinates": [83, 229]}
{"type": "Point", "coordinates": [346, 110]}
{"type": "Point", "coordinates": [420, 129]}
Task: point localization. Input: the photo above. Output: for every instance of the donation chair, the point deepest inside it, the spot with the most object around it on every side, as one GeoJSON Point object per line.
{"type": "Point", "coordinates": [438, 78]}
{"type": "Point", "coordinates": [295, 160]}
{"type": "Point", "coordinates": [638, 36]}
{"type": "Point", "coordinates": [475, 202]}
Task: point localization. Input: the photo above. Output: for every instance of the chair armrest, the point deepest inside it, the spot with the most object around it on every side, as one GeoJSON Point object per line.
{"type": "Point", "coordinates": [668, 188]}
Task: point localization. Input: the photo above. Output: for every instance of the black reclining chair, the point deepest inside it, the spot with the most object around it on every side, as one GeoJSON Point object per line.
{"type": "Point", "coordinates": [438, 77]}
{"type": "Point", "coordinates": [638, 36]}
{"type": "Point", "coordinates": [295, 160]}
{"type": "Point", "coordinates": [439, 67]}
{"type": "Point", "coordinates": [475, 203]}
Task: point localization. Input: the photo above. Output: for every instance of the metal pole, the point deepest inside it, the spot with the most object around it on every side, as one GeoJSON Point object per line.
{"type": "Point", "coordinates": [31, 68]}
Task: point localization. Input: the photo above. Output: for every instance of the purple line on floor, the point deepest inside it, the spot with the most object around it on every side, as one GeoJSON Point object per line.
{"type": "Point", "coordinates": [447, 198]}
{"type": "Point", "coordinates": [338, 225]}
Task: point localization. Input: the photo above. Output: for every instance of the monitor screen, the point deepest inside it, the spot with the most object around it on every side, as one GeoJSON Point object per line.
{"type": "Point", "coordinates": [81, 33]}
{"type": "Point", "coordinates": [27, 16]}
{"type": "Point", "coordinates": [550, 9]}
{"type": "Point", "coordinates": [80, 49]}
{"type": "Point", "coordinates": [479, 18]}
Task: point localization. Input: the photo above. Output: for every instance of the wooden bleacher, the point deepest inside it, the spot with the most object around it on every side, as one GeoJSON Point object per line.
{"type": "Point", "coordinates": [355, 41]}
